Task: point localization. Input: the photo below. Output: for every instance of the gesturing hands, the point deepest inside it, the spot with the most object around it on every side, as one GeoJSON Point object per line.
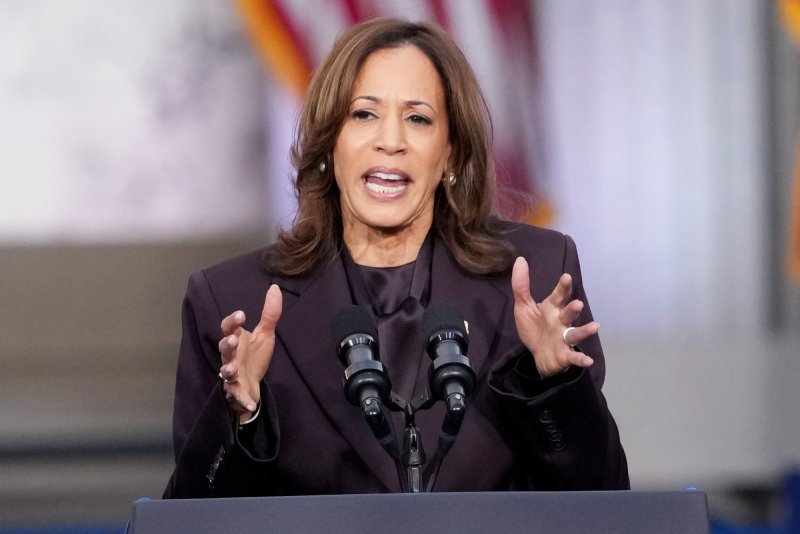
{"type": "Point", "coordinates": [246, 355]}
{"type": "Point", "coordinates": [541, 326]}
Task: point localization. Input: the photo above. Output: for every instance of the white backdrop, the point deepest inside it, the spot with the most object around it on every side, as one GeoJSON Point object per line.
{"type": "Point", "coordinates": [128, 121]}
{"type": "Point", "coordinates": [658, 163]}
{"type": "Point", "coordinates": [658, 169]}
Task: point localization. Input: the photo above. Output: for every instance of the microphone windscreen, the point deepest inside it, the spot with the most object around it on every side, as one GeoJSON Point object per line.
{"type": "Point", "coordinates": [442, 316]}
{"type": "Point", "coordinates": [352, 320]}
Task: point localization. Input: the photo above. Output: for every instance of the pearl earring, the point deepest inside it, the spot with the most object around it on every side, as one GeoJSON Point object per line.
{"type": "Point", "coordinates": [452, 178]}
{"type": "Point", "coordinates": [322, 166]}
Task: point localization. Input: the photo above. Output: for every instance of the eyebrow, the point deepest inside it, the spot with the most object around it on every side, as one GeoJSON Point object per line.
{"type": "Point", "coordinates": [406, 102]}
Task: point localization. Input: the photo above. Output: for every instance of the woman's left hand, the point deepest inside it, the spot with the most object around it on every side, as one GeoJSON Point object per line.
{"type": "Point", "coordinates": [541, 325]}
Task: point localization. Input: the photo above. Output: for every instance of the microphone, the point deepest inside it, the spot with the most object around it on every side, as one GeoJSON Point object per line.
{"type": "Point", "coordinates": [366, 383]}
{"type": "Point", "coordinates": [451, 376]}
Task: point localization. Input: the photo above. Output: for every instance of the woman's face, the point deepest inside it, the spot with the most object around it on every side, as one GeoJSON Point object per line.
{"type": "Point", "coordinates": [393, 147]}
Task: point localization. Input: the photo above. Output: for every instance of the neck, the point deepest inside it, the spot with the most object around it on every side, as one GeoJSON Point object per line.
{"type": "Point", "coordinates": [372, 247]}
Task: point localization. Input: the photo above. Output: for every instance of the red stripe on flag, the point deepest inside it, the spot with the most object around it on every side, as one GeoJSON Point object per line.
{"type": "Point", "coordinates": [440, 14]}
{"type": "Point", "coordinates": [360, 10]}
{"type": "Point", "coordinates": [292, 30]}
{"type": "Point", "coordinates": [353, 10]}
{"type": "Point", "coordinates": [518, 199]}
{"type": "Point", "coordinates": [514, 17]}
{"type": "Point", "coordinates": [793, 257]}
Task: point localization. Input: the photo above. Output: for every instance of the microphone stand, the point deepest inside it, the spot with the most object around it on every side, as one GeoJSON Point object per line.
{"type": "Point", "coordinates": [410, 458]}
{"type": "Point", "coordinates": [410, 461]}
{"type": "Point", "coordinates": [413, 452]}
{"type": "Point", "coordinates": [413, 458]}
{"type": "Point", "coordinates": [454, 416]}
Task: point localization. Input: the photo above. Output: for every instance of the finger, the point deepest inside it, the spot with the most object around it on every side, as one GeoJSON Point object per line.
{"type": "Point", "coordinates": [521, 282]}
{"type": "Point", "coordinates": [244, 398]}
{"type": "Point", "coordinates": [229, 373]}
{"type": "Point", "coordinates": [232, 322]}
{"type": "Point", "coordinates": [578, 334]}
{"type": "Point", "coordinates": [236, 394]}
{"type": "Point", "coordinates": [579, 359]}
{"type": "Point", "coordinates": [227, 345]}
{"type": "Point", "coordinates": [571, 311]}
{"type": "Point", "coordinates": [273, 305]}
{"type": "Point", "coordinates": [562, 292]}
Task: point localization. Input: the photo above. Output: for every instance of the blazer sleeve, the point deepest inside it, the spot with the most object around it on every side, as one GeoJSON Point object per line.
{"type": "Point", "coordinates": [566, 436]}
{"type": "Point", "coordinates": [214, 456]}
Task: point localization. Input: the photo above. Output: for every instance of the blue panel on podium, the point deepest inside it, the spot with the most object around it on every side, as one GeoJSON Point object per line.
{"type": "Point", "coordinates": [617, 512]}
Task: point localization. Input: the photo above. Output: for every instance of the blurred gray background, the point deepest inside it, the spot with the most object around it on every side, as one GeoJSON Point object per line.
{"type": "Point", "coordinates": [140, 141]}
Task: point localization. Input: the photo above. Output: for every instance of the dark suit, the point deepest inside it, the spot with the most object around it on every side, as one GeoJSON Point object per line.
{"type": "Point", "coordinates": [519, 433]}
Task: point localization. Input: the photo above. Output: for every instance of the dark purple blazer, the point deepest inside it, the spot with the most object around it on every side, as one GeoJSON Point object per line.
{"type": "Point", "coordinates": [543, 434]}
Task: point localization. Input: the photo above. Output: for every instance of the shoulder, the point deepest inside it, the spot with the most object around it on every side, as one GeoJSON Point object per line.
{"type": "Point", "coordinates": [242, 281]}
{"type": "Point", "coordinates": [237, 282]}
{"type": "Point", "coordinates": [534, 240]}
{"type": "Point", "coordinates": [243, 266]}
{"type": "Point", "coordinates": [549, 253]}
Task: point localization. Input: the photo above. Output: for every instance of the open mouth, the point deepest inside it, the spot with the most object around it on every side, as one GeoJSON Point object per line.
{"type": "Point", "coordinates": [386, 183]}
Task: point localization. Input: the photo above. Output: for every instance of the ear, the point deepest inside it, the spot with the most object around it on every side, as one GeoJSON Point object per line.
{"type": "Point", "coordinates": [448, 159]}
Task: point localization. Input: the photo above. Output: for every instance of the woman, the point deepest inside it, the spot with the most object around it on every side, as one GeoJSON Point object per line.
{"type": "Point", "coordinates": [395, 198]}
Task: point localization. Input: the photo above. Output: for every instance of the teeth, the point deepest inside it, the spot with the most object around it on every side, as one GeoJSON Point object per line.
{"type": "Point", "coordinates": [384, 190]}
{"type": "Point", "coordinates": [386, 176]}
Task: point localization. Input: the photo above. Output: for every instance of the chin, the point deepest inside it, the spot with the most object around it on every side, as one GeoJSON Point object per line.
{"type": "Point", "coordinates": [390, 223]}
{"type": "Point", "coordinates": [389, 229]}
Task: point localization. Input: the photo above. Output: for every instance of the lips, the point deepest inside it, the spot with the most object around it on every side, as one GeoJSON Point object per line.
{"type": "Point", "coordinates": [386, 182]}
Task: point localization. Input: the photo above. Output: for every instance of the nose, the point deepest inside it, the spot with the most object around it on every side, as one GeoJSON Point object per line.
{"type": "Point", "coordinates": [391, 136]}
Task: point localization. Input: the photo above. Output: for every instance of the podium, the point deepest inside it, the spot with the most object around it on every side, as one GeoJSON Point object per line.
{"type": "Point", "coordinates": [595, 512]}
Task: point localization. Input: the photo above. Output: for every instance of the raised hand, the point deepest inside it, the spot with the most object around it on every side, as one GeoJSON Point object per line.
{"type": "Point", "coordinates": [246, 355]}
{"type": "Point", "coordinates": [546, 327]}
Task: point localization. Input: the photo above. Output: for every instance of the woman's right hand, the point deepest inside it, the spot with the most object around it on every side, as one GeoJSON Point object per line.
{"type": "Point", "coordinates": [246, 355]}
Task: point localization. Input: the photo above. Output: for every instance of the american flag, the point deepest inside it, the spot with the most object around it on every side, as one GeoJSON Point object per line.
{"type": "Point", "coordinates": [789, 13]}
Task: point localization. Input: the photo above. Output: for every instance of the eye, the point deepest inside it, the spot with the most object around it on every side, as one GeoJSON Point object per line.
{"type": "Point", "coordinates": [418, 119]}
{"type": "Point", "coordinates": [362, 115]}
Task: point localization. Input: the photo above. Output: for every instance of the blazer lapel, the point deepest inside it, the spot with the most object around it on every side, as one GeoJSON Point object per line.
{"type": "Point", "coordinates": [305, 331]}
{"type": "Point", "coordinates": [486, 304]}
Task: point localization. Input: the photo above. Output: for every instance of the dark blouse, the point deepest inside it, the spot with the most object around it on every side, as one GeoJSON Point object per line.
{"type": "Point", "coordinates": [396, 298]}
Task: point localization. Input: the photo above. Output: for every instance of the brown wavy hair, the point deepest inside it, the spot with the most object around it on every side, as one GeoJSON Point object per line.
{"type": "Point", "coordinates": [464, 212]}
